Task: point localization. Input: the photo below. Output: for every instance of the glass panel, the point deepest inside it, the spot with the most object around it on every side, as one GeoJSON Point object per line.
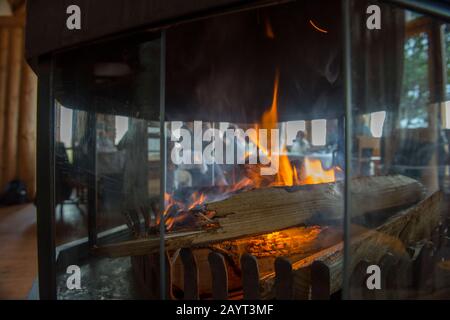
{"type": "Point", "coordinates": [255, 118]}
{"type": "Point", "coordinates": [416, 89]}
{"type": "Point", "coordinates": [398, 247]}
{"type": "Point", "coordinates": [107, 164]}
{"type": "Point", "coordinates": [254, 135]}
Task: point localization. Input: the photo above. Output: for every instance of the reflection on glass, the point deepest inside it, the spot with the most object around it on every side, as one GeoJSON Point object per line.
{"type": "Point", "coordinates": [255, 154]}
{"type": "Point", "coordinates": [400, 144]}
{"type": "Point", "coordinates": [107, 164]}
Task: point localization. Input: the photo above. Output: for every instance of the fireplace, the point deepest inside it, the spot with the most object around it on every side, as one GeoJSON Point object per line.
{"type": "Point", "coordinates": [248, 151]}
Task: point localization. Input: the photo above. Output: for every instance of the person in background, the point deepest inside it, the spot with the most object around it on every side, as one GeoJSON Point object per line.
{"type": "Point", "coordinates": [360, 128]}
{"type": "Point", "coordinates": [300, 144]}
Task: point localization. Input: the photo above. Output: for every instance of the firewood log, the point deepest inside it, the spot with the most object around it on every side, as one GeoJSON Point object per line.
{"type": "Point", "coordinates": [394, 236]}
{"type": "Point", "coordinates": [266, 210]}
{"type": "Point", "coordinates": [295, 243]}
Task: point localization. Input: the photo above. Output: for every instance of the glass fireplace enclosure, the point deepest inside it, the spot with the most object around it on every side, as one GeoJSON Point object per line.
{"type": "Point", "coordinates": [290, 151]}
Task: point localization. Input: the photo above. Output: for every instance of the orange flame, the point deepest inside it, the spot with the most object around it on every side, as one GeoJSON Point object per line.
{"type": "Point", "coordinates": [269, 121]}
{"type": "Point", "coordinates": [313, 172]}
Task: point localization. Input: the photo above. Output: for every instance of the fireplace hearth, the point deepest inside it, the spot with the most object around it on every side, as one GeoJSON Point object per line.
{"type": "Point", "coordinates": [246, 150]}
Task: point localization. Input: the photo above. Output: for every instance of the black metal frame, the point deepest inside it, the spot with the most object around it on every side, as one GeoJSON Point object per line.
{"type": "Point", "coordinates": [347, 63]}
{"type": "Point", "coordinates": [45, 182]}
{"type": "Point", "coordinates": [92, 180]}
{"type": "Point", "coordinates": [45, 152]}
{"type": "Point", "coordinates": [163, 162]}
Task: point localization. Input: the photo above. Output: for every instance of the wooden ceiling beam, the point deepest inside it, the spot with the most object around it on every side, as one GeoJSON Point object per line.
{"type": "Point", "coordinates": [11, 22]}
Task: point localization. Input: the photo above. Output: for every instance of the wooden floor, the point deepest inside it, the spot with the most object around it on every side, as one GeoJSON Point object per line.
{"type": "Point", "coordinates": [18, 242]}
{"type": "Point", "coordinates": [18, 252]}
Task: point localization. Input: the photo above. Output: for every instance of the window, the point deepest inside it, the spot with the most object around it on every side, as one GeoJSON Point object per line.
{"type": "Point", "coordinates": [121, 128]}
{"type": "Point", "coordinates": [319, 132]}
{"type": "Point", "coordinates": [153, 141]}
{"type": "Point", "coordinates": [376, 123]}
{"type": "Point", "coordinates": [447, 57]}
{"type": "Point", "coordinates": [292, 128]}
{"type": "Point", "coordinates": [415, 93]}
{"type": "Point", "coordinates": [66, 117]}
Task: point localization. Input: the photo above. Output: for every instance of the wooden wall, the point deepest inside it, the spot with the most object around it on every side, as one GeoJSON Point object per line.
{"type": "Point", "coordinates": [18, 94]}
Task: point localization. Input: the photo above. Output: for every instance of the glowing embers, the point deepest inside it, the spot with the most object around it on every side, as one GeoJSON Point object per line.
{"type": "Point", "coordinates": [282, 243]}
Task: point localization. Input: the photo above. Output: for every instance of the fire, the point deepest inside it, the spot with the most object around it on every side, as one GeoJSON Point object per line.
{"type": "Point", "coordinates": [175, 212]}
{"type": "Point", "coordinates": [198, 199]}
{"type": "Point", "coordinates": [311, 171]}
{"type": "Point", "coordinates": [285, 175]}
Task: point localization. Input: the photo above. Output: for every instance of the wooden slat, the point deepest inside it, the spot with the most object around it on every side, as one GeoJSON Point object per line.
{"type": "Point", "coordinates": [320, 281]}
{"type": "Point", "coordinates": [250, 277]}
{"type": "Point", "coordinates": [283, 279]}
{"type": "Point", "coordinates": [219, 276]}
{"type": "Point", "coordinates": [147, 273]}
{"type": "Point", "coordinates": [4, 70]}
{"type": "Point", "coordinates": [190, 274]}
{"type": "Point", "coordinates": [27, 130]}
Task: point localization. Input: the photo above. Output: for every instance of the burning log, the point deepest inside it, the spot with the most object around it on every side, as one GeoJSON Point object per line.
{"type": "Point", "coordinates": [267, 210]}
{"type": "Point", "coordinates": [294, 243]}
{"type": "Point", "coordinates": [394, 236]}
